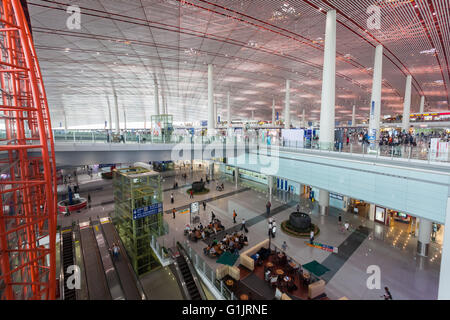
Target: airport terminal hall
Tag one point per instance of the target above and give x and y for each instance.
(218, 157)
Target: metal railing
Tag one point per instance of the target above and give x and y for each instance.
(208, 273)
(421, 151)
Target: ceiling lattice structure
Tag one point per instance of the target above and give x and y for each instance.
(254, 45)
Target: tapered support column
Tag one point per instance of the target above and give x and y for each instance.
(444, 275)
(354, 116)
(327, 109)
(124, 118)
(422, 104)
(116, 107)
(65, 121)
(407, 104)
(228, 110)
(109, 114)
(423, 242)
(211, 120)
(375, 106)
(287, 106)
(324, 202)
(157, 112)
(236, 175)
(273, 111)
(303, 118)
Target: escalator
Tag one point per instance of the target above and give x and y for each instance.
(67, 260)
(188, 276)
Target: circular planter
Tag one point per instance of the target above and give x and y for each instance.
(290, 230)
(77, 205)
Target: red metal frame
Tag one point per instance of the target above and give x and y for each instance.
(27, 164)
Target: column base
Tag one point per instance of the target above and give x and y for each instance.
(323, 210)
(422, 248)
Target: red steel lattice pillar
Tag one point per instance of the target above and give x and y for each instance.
(27, 166)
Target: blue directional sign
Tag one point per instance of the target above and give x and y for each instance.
(147, 211)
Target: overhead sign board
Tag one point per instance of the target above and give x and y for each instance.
(143, 212)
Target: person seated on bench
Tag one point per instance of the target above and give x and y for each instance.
(215, 242)
(212, 252)
(203, 235)
(187, 229)
(267, 275)
(236, 251)
(207, 250)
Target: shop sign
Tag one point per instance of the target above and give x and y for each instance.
(336, 196)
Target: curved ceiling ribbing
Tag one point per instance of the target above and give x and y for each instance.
(254, 46)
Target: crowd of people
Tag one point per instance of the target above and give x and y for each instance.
(201, 232)
(230, 243)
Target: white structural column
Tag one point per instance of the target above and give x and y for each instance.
(287, 106)
(211, 120)
(228, 109)
(354, 116)
(156, 97)
(273, 110)
(270, 185)
(407, 104)
(324, 202)
(65, 120)
(303, 118)
(236, 175)
(375, 104)
(444, 275)
(422, 104)
(327, 108)
(124, 117)
(116, 106)
(109, 114)
(423, 241)
(253, 114)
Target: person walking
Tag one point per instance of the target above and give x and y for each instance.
(89, 200)
(171, 198)
(298, 207)
(213, 216)
(173, 212)
(274, 230)
(270, 227)
(387, 295)
(311, 237)
(284, 246)
(191, 194)
(204, 206)
(243, 226)
(340, 219)
(268, 205)
(234, 216)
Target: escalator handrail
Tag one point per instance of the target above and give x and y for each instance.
(191, 267)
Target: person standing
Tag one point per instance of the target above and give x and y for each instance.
(268, 205)
(234, 216)
(213, 216)
(191, 194)
(311, 237)
(204, 206)
(298, 207)
(173, 212)
(243, 226)
(274, 230)
(340, 219)
(171, 198)
(89, 200)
